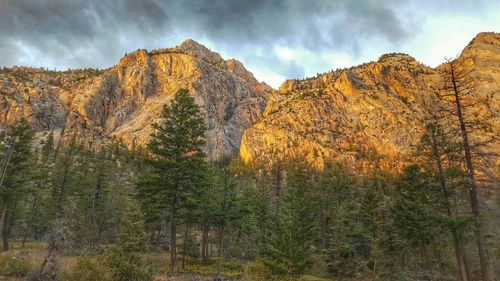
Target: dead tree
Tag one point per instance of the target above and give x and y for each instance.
(460, 94)
(441, 153)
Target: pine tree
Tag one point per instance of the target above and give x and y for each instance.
(36, 219)
(15, 173)
(249, 235)
(261, 202)
(124, 258)
(227, 206)
(345, 235)
(443, 158)
(415, 212)
(205, 207)
(177, 162)
(289, 250)
(64, 184)
(373, 213)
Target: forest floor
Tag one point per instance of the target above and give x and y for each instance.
(20, 261)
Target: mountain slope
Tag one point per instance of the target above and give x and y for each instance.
(121, 102)
(376, 107)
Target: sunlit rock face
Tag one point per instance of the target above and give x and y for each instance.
(376, 109)
(123, 101)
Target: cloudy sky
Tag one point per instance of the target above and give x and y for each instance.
(275, 39)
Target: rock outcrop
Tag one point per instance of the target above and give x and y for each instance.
(378, 108)
(123, 101)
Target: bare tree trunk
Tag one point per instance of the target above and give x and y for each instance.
(480, 240)
(184, 247)
(5, 235)
(403, 261)
(460, 256)
(278, 180)
(48, 267)
(173, 229)
(46, 260)
(3, 222)
(375, 256)
(7, 224)
(221, 248)
(173, 245)
(428, 262)
(204, 245)
(466, 262)
(211, 243)
(442, 180)
(437, 256)
(95, 201)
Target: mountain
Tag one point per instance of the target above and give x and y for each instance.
(375, 109)
(123, 101)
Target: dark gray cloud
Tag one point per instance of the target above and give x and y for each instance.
(96, 33)
(58, 28)
(315, 24)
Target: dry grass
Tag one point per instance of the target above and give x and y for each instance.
(184, 277)
(35, 252)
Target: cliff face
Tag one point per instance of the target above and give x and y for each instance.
(124, 100)
(377, 107)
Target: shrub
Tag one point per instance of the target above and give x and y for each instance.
(124, 259)
(14, 266)
(232, 269)
(86, 269)
(256, 272)
(127, 266)
(192, 246)
(232, 266)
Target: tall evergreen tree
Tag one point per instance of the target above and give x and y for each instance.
(227, 206)
(177, 162)
(443, 157)
(346, 239)
(65, 185)
(290, 247)
(416, 212)
(35, 217)
(14, 175)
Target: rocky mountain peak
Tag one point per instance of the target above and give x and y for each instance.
(189, 43)
(198, 50)
(398, 58)
(123, 101)
(138, 57)
(485, 38)
(483, 50)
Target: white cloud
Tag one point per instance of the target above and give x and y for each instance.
(446, 35)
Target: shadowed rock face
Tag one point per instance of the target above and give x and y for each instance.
(124, 100)
(376, 108)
